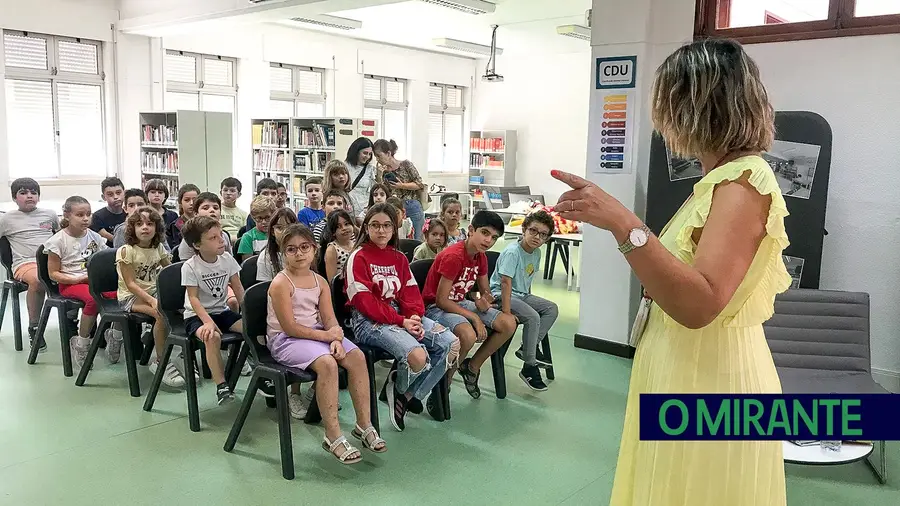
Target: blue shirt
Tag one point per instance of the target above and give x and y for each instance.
(310, 217)
(516, 263)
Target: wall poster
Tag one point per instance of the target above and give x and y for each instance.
(612, 115)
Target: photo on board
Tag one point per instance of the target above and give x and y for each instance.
(794, 165)
(681, 168)
(795, 269)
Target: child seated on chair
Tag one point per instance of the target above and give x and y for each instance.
(186, 196)
(256, 239)
(206, 278)
(138, 263)
(454, 273)
(67, 253)
(157, 192)
(337, 243)
(134, 199)
(334, 200)
(405, 226)
(206, 204)
(511, 284)
(388, 313)
(313, 212)
(105, 220)
(233, 217)
(435, 232)
(266, 268)
(451, 213)
(377, 195)
(303, 333)
(26, 228)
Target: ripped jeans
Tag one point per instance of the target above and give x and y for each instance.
(442, 348)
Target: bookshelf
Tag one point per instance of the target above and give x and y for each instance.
(492, 161)
(292, 150)
(182, 147)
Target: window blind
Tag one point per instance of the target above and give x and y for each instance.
(78, 57)
(25, 52)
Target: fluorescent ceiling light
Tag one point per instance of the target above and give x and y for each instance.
(466, 47)
(467, 6)
(576, 31)
(329, 21)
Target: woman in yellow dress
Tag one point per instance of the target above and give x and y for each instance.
(712, 275)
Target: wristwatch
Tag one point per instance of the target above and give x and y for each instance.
(637, 237)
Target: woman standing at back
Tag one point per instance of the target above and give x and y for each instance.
(712, 277)
(405, 181)
(363, 173)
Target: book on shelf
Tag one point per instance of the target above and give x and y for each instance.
(160, 161)
(319, 135)
(158, 134)
(270, 134)
(266, 159)
(486, 144)
(478, 160)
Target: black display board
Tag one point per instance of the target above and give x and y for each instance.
(802, 172)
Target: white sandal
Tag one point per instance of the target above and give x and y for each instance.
(363, 436)
(345, 458)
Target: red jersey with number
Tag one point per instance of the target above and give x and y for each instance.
(376, 278)
(454, 263)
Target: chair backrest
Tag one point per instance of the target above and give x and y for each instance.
(241, 232)
(170, 293)
(248, 272)
(6, 256)
(820, 329)
(408, 246)
(43, 268)
(102, 274)
(420, 271)
(339, 301)
(253, 315)
(492, 257)
(234, 249)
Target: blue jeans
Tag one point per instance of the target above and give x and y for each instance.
(415, 213)
(439, 345)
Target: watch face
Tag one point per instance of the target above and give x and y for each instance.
(638, 237)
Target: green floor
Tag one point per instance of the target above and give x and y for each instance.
(61, 444)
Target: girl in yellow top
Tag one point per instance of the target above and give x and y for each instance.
(712, 275)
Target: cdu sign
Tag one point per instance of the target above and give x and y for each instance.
(616, 72)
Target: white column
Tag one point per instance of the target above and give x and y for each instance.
(648, 30)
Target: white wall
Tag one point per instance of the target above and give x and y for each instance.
(545, 99)
(861, 103)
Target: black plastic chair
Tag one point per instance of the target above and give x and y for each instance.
(103, 277)
(170, 295)
(11, 288)
(62, 305)
(248, 273)
(254, 323)
(408, 247)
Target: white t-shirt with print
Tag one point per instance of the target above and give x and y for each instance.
(211, 279)
(73, 252)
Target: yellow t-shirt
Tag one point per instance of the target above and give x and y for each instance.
(146, 265)
(232, 219)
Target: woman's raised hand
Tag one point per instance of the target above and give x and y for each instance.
(588, 203)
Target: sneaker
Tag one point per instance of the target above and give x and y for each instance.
(247, 370)
(267, 388)
(79, 347)
(113, 345)
(171, 376)
(531, 375)
(32, 331)
(223, 394)
(297, 407)
(398, 403)
(180, 366)
(540, 360)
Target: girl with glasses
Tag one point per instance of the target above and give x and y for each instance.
(303, 333)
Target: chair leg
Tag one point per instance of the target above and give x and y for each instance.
(238, 424)
(545, 350)
(92, 353)
(497, 365)
(284, 428)
(437, 395)
(445, 393)
(145, 355)
(313, 415)
(190, 386)
(205, 372)
(232, 359)
(39, 334)
(239, 364)
(17, 319)
(3, 298)
(64, 338)
(373, 396)
(157, 378)
(881, 469)
(134, 383)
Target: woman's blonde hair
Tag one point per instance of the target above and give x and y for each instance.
(332, 167)
(708, 97)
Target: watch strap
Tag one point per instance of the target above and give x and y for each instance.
(628, 246)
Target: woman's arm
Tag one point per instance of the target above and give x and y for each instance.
(693, 295)
(54, 264)
(280, 291)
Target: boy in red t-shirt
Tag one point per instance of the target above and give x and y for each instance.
(452, 275)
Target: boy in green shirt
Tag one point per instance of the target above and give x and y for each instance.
(255, 240)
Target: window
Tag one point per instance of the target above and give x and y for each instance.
(384, 100)
(200, 82)
(54, 106)
(752, 21)
(297, 91)
(445, 128)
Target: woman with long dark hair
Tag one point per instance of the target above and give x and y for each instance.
(405, 182)
(363, 173)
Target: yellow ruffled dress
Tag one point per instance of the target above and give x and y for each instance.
(730, 355)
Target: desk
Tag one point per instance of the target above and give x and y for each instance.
(815, 455)
(559, 243)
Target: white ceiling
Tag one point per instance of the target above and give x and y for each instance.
(526, 26)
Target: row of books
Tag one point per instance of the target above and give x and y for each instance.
(157, 161)
(320, 135)
(478, 160)
(486, 144)
(271, 133)
(304, 162)
(158, 134)
(267, 159)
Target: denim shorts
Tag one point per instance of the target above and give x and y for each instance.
(451, 320)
